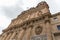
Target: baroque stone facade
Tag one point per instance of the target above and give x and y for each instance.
(37, 23)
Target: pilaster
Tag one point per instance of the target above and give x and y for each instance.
(21, 34)
(48, 29)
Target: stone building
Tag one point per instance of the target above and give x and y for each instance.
(37, 23)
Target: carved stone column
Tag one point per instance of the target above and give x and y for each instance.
(9, 35)
(48, 30)
(21, 34)
(28, 33)
(5, 35)
(1, 37)
(12, 36)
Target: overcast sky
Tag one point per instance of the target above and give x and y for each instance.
(9, 9)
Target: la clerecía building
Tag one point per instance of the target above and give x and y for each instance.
(36, 23)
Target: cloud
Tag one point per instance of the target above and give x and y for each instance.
(12, 12)
(28, 4)
(8, 2)
(4, 22)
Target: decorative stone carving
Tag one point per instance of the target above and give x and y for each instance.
(25, 24)
(38, 30)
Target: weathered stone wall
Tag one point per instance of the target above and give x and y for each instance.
(33, 24)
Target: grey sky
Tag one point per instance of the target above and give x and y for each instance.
(9, 9)
(12, 11)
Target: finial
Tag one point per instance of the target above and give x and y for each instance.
(42, 4)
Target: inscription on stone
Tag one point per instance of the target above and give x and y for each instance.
(39, 37)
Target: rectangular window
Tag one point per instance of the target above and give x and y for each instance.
(39, 37)
(58, 26)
